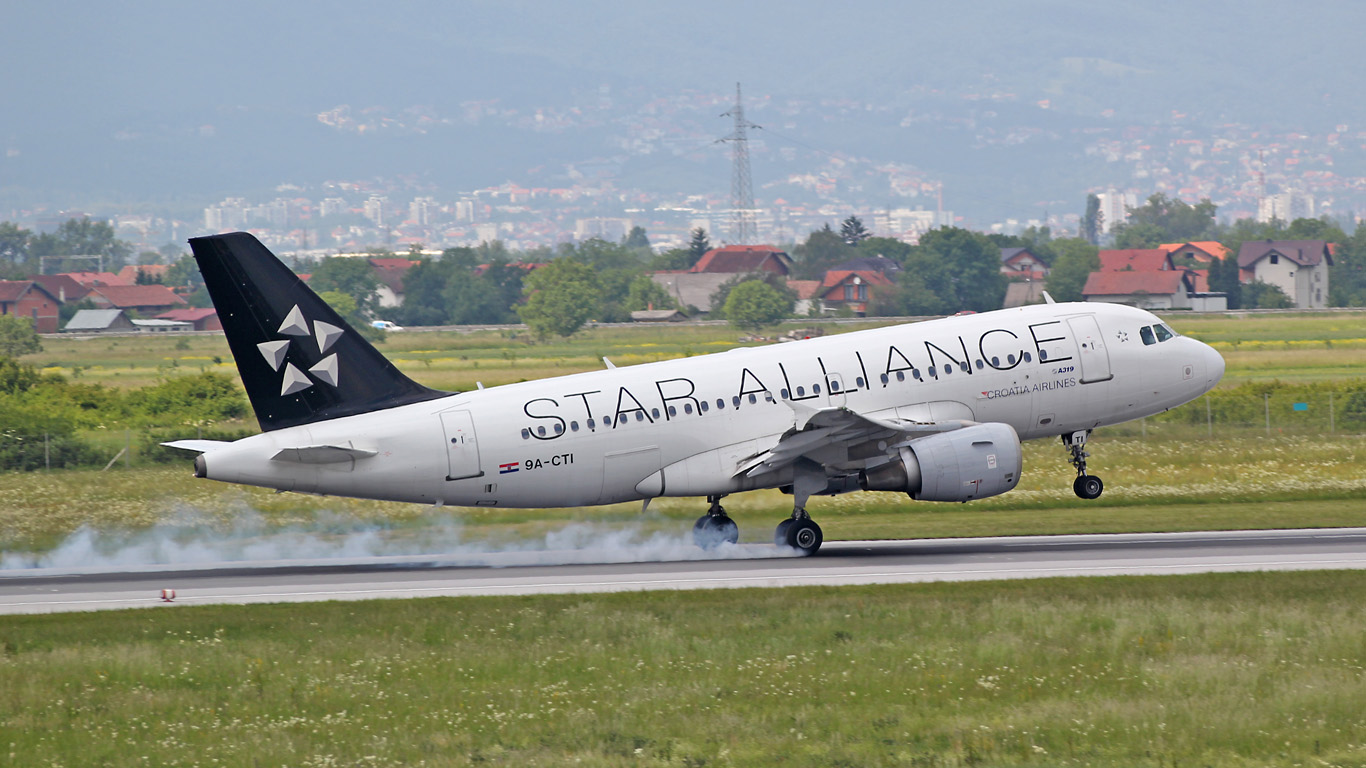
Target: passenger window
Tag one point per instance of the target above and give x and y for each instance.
(735, 401)
(1010, 358)
(900, 375)
(592, 424)
(559, 428)
(932, 371)
(654, 412)
(526, 433)
(640, 415)
(703, 406)
(884, 379)
(753, 399)
(1028, 359)
(687, 407)
(573, 426)
(815, 389)
(1146, 333)
(674, 411)
(915, 373)
(1163, 332)
(1043, 355)
(783, 393)
(721, 404)
(859, 382)
(980, 365)
(801, 391)
(948, 369)
(540, 431)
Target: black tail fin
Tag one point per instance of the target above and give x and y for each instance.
(299, 361)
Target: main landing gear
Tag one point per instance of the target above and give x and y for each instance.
(1086, 486)
(799, 531)
(715, 528)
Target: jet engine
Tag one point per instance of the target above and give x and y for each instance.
(969, 463)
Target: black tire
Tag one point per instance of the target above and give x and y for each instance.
(1088, 486)
(711, 531)
(804, 536)
(780, 533)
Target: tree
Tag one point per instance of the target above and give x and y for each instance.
(638, 242)
(822, 250)
(754, 304)
(84, 237)
(699, 245)
(1092, 220)
(1074, 261)
(351, 276)
(1223, 278)
(14, 251)
(645, 293)
(18, 337)
(969, 274)
(911, 296)
(1260, 295)
(1164, 220)
(722, 293)
(852, 231)
(1347, 282)
(560, 298)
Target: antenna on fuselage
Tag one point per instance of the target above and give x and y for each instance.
(1047, 299)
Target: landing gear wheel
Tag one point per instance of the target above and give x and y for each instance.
(804, 535)
(711, 531)
(780, 533)
(1088, 486)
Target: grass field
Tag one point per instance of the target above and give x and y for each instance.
(1220, 670)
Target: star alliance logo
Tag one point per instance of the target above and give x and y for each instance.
(296, 380)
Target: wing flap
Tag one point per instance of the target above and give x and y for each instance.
(820, 431)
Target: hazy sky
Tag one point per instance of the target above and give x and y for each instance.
(108, 92)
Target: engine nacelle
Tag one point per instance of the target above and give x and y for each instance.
(969, 463)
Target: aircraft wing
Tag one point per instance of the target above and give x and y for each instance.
(838, 438)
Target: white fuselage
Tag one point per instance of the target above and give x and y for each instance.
(682, 427)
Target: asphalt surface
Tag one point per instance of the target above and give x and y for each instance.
(40, 590)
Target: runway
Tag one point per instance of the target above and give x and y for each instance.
(747, 565)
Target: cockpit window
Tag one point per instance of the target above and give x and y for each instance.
(1163, 332)
(1146, 332)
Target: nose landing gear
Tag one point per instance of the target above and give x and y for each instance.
(1085, 486)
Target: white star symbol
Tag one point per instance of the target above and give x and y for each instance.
(295, 380)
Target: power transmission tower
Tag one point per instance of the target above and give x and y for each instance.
(741, 189)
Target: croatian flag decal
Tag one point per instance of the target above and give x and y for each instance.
(511, 466)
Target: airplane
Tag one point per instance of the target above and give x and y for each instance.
(935, 409)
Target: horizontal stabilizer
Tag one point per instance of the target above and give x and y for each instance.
(201, 446)
(322, 454)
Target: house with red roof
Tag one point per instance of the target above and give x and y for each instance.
(144, 299)
(851, 288)
(1136, 260)
(1298, 267)
(744, 259)
(389, 272)
(29, 299)
(1147, 289)
(1023, 264)
(151, 273)
(205, 319)
(62, 286)
(1200, 252)
(92, 279)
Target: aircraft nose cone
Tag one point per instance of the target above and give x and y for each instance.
(1214, 365)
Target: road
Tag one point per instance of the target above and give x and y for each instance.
(546, 572)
